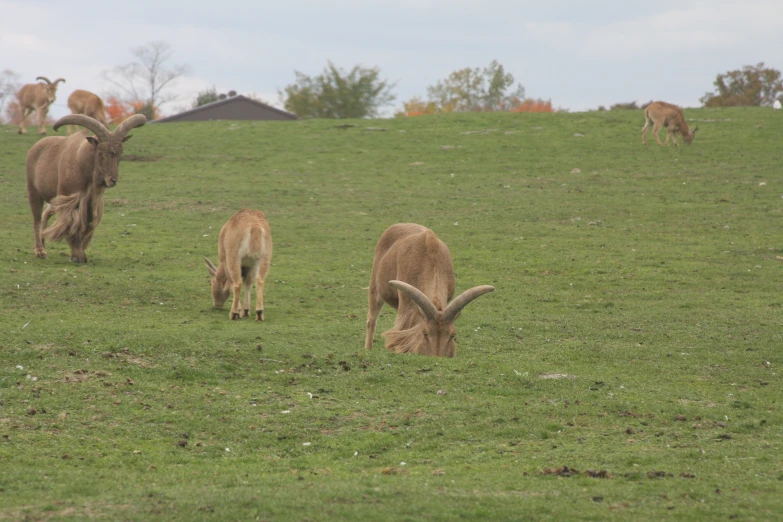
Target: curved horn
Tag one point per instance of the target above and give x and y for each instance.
(693, 132)
(418, 297)
(137, 120)
(211, 267)
(44, 78)
(463, 299)
(59, 80)
(94, 125)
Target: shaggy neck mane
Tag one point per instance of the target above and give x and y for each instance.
(77, 214)
(405, 336)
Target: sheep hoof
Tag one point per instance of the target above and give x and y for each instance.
(246, 313)
(40, 252)
(80, 260)
(234, 316)
(20, 131)
(259, 315)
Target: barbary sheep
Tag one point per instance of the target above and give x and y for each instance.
(244, 254)
(89, 104)
(37, 97)
(412, 271)
(70, 174)
(662, 114)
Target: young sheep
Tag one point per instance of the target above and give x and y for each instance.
(70, 174)
(37, 97)
(87, 103)
(662, 114)
(244, 254)
(412, 271)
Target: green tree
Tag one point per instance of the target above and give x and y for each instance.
(751, 85)
(205, 97)
(477, 90)
(334, 93)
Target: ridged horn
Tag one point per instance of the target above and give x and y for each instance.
(693, 132)
(85, 121)
(418, 297)
(211, 267)
(44, 78)
(59, 80)
(463, 299)
(137, 120)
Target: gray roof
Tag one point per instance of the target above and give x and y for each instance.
(234, 108)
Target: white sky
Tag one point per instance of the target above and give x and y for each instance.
(579, 54)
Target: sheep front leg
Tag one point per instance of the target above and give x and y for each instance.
(235, 312)
(77, 250)
(375, 302)
(42, 111)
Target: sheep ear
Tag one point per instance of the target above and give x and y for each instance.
(126, 138)
(92, 140)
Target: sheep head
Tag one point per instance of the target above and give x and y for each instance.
(435, 335)
(50, 88)
(689, 137)
(221, 287)
(108, 145)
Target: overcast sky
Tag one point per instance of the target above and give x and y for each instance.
(579, 54)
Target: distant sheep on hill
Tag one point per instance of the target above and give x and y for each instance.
(87, 103)
(37, 97)
(662, 114)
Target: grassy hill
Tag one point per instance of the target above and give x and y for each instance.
(627, 365)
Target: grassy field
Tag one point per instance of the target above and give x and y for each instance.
(627, 365)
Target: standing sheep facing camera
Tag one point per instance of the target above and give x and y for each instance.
(412, 271)
(244, 254)
(70, 175)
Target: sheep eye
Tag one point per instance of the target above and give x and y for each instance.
(426, 335)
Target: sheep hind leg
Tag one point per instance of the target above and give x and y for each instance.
(25, 112)
(236, 313)
(39, 223)
(260, 280)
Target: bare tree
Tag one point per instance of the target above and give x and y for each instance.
(9, 85)
(148, 79)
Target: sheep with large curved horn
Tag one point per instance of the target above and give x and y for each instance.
(69, 175)
(413, 272)
(37, 97)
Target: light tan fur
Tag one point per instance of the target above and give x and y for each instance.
(661, 114)
(37, 97)
(244, 255)
(87, 103)
(70, 174)
(412, 272)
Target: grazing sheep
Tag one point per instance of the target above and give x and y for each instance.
(244, 254)
(37, 97)
(89, 104)
(412, 271)
(70, 174)
(662, 114)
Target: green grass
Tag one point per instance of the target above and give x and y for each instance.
(651, 277)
